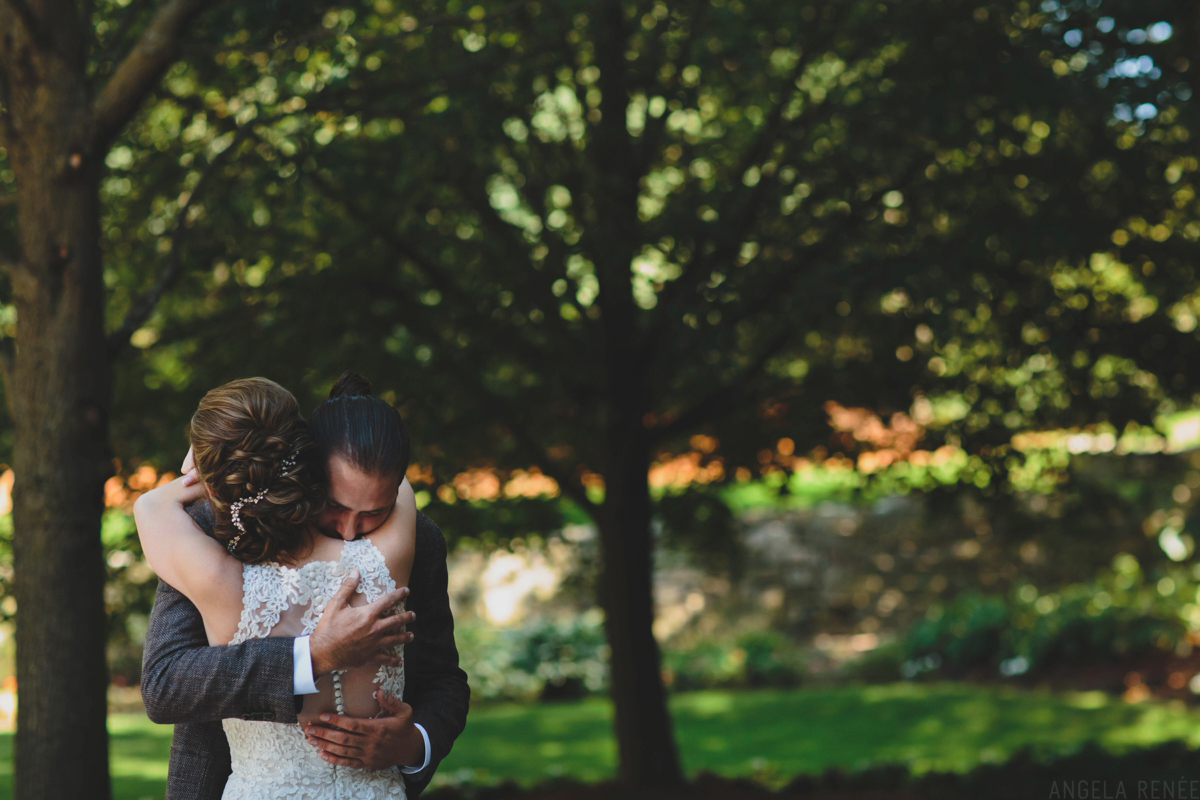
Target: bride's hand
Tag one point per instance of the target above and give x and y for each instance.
(188, 469)
(183, 491)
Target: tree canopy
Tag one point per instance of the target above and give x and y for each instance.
(575, 236)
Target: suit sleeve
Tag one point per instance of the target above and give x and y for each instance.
(186, 680)
(435, 686)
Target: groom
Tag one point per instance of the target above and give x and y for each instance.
(195, 686)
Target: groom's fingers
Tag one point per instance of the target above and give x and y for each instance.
(342, 762)
(386, 660)
(390, 704)
(327, 733)
(389, 626)
(342, 596)
(396, 639)
(383, 605)
(338, 745)
(385, 644)
(342, 729)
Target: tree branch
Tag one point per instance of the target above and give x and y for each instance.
(8, 263)
(834, 236)
(726, 398)
(470, 377)
(116, 38)
(6, 363)
(141, 68)
(28, 19)
(144, 306)
(570, 487)
(450, 19)
(432, 272)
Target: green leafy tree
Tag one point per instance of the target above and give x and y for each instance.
(72, 78)
(574, 235)
(59, 120)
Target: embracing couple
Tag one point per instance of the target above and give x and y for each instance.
(301, 638)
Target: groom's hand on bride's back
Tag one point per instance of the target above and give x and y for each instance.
(350, 636)
(379, 743)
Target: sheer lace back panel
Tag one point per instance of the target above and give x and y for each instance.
(285, 601)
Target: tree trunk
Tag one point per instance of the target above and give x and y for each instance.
(647, 755)
(57, 385)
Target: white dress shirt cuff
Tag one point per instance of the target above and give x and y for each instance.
(425, 763)
(302, 669)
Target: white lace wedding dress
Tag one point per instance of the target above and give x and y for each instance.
(271, 760)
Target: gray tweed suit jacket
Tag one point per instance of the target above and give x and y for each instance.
(195, 686)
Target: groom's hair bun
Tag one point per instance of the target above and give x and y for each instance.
(364, 429)
(351, 384)
(248, 436)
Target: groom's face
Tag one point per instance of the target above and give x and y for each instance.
(358, 502)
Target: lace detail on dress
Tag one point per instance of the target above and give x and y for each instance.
(266, 593)
(273, 761)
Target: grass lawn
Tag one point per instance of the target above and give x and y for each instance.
(769, 734)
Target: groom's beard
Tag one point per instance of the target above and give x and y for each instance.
(333, 534)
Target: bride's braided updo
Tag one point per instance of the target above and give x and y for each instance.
(248, 438)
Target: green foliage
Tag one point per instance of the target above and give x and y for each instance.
(495, 522)
(966, 634)
(705, 665)
(542, 229)
(486, 654)
(793, 214)
(557, 659)
(1118, 615)
(753, 659)
(880, 665)
(548, 659)
(128, 596)
(699, 521)
(569, 656)
(128, 592)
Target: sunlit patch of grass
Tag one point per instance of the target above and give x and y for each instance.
(770, 735)
(775, 735)
(139, 753)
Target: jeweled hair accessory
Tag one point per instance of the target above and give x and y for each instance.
(235, 510)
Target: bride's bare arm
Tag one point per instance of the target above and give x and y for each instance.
(185, 557)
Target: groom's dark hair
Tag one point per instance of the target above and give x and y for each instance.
(364, 429)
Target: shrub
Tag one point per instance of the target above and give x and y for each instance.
(569, 656)
(754, 659)
(547, 659)
(1118, 615)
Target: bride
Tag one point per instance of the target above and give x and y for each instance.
(268, 571)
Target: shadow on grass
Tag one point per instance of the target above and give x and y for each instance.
(139, 751)
(1167, 770)
(769, 736)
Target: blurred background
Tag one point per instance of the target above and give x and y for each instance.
(893, 306)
